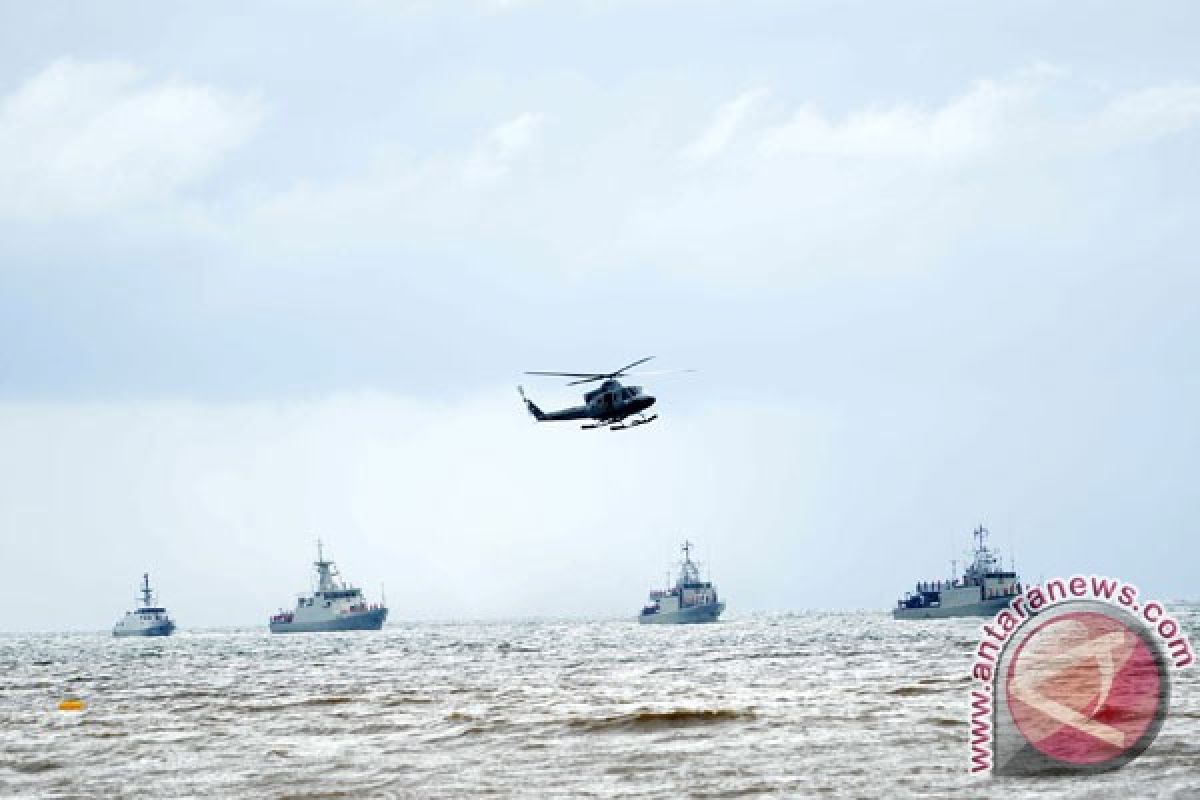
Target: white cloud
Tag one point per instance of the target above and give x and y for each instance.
(503, 146)
(897, 187)
(420, 201)
(990, 112)
(1148, 114)
(726, 122)
(1016, 117)
(762, 192)
(85, 137)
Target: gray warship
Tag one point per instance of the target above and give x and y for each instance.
(334, 606)
(689, 600)
(148, 619)
(984, 588)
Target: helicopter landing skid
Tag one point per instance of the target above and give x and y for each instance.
(620, 426)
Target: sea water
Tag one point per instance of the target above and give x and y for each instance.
(786, 705)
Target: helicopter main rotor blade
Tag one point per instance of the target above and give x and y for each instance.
(588, 377)
(622, 370)
(569, 374)
(640, 374)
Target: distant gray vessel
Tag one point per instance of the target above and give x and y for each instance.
(148, 619)
(690, 600)
(334, 606)
(984, 588)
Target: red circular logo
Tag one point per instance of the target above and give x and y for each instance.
(1085, 688)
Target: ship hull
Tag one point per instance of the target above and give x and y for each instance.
(684, 616)
(364, 621)
(984, 608)
(165, 629)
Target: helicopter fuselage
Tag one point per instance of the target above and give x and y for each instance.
(614, 402)
(609, 403)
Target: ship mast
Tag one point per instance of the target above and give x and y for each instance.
(147, 595)
(687, 570)
(985, 560)
(325, 571)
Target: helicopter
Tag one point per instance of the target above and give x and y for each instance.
(608, 405)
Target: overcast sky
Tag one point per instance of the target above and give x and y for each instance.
(273, 272)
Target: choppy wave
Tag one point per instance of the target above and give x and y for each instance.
(912, 691)
(659, 720)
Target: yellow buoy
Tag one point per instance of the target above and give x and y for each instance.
(71, 705)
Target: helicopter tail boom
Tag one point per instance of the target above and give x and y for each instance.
(536, 412)
(579, 412)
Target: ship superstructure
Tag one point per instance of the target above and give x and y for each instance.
(148, 619)
(689, 600)
(983, 589)
(333, 606)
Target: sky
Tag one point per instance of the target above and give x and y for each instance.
(273, 272)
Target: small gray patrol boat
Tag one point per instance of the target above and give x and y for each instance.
(984, 588)
(689, 600)
(334, 606)
(148, 619)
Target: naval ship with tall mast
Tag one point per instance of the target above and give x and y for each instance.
(148, 619)
(689, 600)
(984, 588)
(333, 606)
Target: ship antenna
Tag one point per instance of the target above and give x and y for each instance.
(1012, 547)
